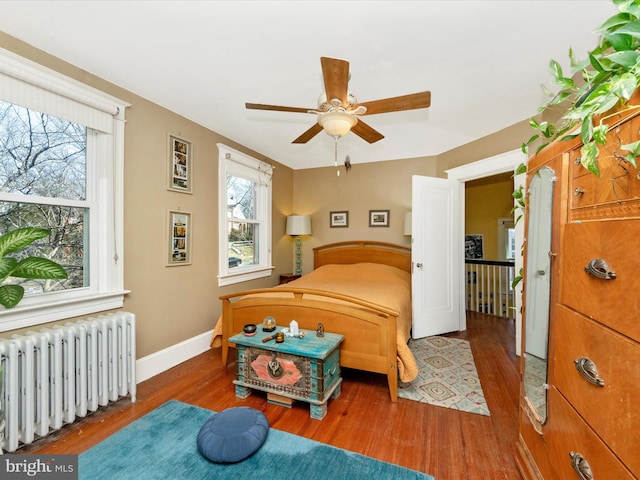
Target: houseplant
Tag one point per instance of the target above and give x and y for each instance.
(605, 79)
(30, 267)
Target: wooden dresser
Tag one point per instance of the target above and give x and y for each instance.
(592, 424)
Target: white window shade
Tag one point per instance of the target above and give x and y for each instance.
(23, 83)
(241, 169)
(29, 85)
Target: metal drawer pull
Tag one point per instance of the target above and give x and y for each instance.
(581, 466)
(589, 371)
(599, 268)
(579, 191)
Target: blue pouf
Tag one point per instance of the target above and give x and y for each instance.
(233, 434)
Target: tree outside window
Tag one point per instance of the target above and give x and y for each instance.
(43, 183)
(245, 217)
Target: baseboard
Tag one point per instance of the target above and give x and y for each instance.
(158, 362)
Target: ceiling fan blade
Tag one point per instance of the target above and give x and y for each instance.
(397, 104)
(259, 106)
(309, 134)
(336, 78)
(366, 132)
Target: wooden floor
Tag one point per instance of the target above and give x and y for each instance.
(447, 444)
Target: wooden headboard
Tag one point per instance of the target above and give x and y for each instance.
(359, 251)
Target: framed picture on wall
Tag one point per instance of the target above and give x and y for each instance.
(338, 219)
(378, 218)
(179, 238)
(179, 165)
(474, 247)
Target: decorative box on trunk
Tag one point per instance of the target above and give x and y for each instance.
(306, 368)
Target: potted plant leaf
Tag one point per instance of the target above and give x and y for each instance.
(605, 80)
(29, 267)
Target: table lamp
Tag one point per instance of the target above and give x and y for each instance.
(298, 225)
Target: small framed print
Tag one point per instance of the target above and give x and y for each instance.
(378, 218)
(474, 246)
(179, 165)
(179, 243)
(338, 219)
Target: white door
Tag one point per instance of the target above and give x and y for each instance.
(436, 251)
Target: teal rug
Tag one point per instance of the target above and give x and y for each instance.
(162, 445)
(447, 375)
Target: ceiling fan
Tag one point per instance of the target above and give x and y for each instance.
(338, 110)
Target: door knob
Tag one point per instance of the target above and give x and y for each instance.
(419, 265)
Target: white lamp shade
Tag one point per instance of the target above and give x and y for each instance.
(298, 225)
(337, 124)
(407, 223)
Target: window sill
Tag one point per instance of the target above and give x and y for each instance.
(26, 315)
(231, 278)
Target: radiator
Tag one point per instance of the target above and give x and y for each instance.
(56, 375)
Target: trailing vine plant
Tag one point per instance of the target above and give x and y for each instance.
(518, 210)
(607, 79)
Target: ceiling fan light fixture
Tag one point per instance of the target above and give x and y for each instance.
(338, 123)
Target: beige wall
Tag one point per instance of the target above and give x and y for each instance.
(506, 140)
(385, 186)
(367, 186)
(172, 304)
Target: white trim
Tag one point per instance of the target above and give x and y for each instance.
(233, 162)
(162, 360)
(62, 95)
(228, 153)
(23, 315)
(519, 181)
(22, 80)
(504, 224)
(224, 280)
(504, 162)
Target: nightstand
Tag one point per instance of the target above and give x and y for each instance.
(306, 369)
(288, 277)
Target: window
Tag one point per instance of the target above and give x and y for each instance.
(245, 217)
(43, 172)
(61, 168)
(506, 238)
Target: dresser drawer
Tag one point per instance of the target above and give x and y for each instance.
(568, 434)
(609, 409)
(617, 181)
(612, 302)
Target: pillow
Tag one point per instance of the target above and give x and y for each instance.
(233, 434)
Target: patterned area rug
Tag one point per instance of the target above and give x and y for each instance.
(535, 373)
(448, 376)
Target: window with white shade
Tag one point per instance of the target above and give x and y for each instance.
(506, 239)
(61, 168)
(245, 217)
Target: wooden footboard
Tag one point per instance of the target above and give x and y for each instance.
(369, 330)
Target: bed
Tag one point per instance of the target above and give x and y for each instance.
(360, 289)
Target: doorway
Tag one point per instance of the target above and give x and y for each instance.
(506, 162)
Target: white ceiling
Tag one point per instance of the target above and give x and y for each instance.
(483, 61)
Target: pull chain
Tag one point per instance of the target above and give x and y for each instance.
(335, 163)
